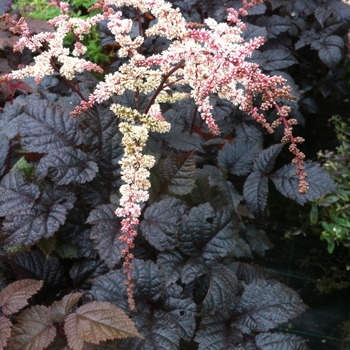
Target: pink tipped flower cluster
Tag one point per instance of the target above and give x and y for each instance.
(210, 59)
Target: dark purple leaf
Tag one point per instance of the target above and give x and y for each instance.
(274, 59)
(4, 150)
(238, 157)
(161, 222)
(17, 193)
(265, 162)
(222, 291)
(105, 233)
(249, 272)
(287, 183)
(280, 341)
(171, 264)
(193, 268)
(28, 226)
(274, 24)
(255, 192)
(265, 305)
(67, 165)
(209, 232)
(45, 127)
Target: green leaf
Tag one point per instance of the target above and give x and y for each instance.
(161, 222)
(314, 213)
(97, 321)
(38, 335)
(15, 296)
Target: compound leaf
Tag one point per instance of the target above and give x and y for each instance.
(4, 149)
(67, 165)
(171, 264)
(257, 239)
(35, 265)
(148, 281)
(208, 232)
(45, 127)
(108, 162)
(274, 59)
(255, 192)
(99, 125)
(215, 177)
(238, 157)
(38, 335)
(60, 309)
(159, 330)
(83, 272)
(215, 334)
(17, 193)
(280, 341)
(222, 291)
(177, 173)
(5, 331)
(105, 233)
(15, 296)
(265, 305)
(330, 50)
(161, 222)
(319, 181)
(181, 309)
(274, 24)
(41, 221)
(205, 193)
(97, 321)
(193, 268)
(265, 162)
(249, 272)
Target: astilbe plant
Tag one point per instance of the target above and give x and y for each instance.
(209, 61)
(200, 64)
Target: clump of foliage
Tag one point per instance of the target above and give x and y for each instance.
(334, 213)
(36, 327)
(134, 201)
(37, 9)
